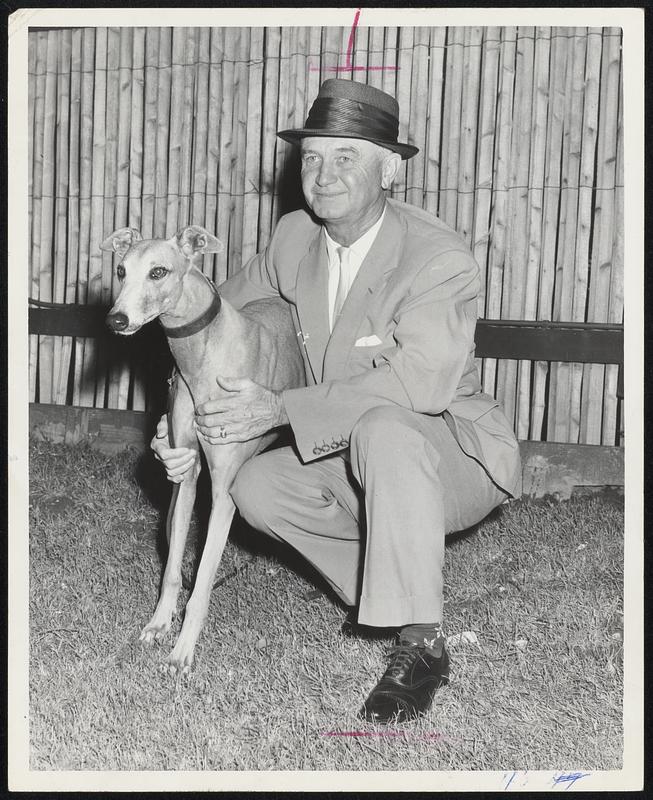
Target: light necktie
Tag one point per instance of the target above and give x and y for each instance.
(343, 280)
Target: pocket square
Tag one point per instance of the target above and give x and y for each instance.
(368, 341)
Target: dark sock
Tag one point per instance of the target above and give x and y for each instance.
(430, 635)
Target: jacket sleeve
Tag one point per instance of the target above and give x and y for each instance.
(256, 280)
(433, 339)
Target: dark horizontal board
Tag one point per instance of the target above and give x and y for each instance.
(587, 343)
(74, 320)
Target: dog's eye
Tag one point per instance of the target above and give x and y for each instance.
(120, 272)
(157, 273)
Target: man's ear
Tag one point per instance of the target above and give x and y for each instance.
(194, 239)
(121, 240)
(389, 169)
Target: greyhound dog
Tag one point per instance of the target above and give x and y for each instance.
(207, 338)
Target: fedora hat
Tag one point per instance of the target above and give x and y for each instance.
(353, 110)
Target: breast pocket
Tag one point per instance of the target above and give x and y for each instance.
(364, 357)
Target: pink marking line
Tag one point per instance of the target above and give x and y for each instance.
(354, 69)
(350, 43)
(349, 67)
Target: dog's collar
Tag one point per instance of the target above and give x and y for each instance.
(198, 324)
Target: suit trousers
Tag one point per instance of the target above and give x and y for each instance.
(372, 518)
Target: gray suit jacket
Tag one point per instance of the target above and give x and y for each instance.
(405, 335)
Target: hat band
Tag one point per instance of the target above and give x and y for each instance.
(352, 118)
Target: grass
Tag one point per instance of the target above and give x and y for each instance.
(280, 673)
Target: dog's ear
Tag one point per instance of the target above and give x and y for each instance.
(121, 240)
(194, 239)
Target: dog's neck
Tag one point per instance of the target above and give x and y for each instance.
(196, 309)
(196, 331)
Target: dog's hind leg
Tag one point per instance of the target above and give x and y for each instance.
(179, 515)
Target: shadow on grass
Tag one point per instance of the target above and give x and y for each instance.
(455, 537)
(150, 477)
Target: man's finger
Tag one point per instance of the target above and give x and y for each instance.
(210, 407)
(214, 438)
(213, 419)
(174, 455)
(210, 436)
(220, 405)
(174, 472)
(162, 428)
(182, 463)
(232, 384)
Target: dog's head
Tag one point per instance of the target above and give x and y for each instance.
(152, 273)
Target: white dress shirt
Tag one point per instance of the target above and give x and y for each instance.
(357, 252)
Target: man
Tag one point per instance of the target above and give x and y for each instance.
(395, 444)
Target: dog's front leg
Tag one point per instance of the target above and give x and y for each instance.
(181, 657)
(181, 434)
(179, 516)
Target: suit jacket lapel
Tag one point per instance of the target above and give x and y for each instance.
(312, 303)
(383, 257)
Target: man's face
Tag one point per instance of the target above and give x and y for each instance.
(343, 179)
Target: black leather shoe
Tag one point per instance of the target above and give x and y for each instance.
(407, 687)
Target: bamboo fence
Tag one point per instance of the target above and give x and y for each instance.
(521, 151)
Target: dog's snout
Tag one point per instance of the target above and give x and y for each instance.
(117, 322)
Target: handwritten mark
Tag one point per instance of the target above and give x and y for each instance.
(349, 66)
(569, 778)
(511, 777)
(430, 736)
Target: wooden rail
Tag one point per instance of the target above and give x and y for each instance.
(566, 342)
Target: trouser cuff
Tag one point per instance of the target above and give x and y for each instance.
(395, 612)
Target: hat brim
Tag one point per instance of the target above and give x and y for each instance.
(295, 136)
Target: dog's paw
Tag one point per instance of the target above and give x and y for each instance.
(180, 660)
(154, 631)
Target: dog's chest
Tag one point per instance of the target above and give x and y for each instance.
(201, 361)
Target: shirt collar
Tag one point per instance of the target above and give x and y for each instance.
(361, 246)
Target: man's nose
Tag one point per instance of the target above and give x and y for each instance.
(326, 174)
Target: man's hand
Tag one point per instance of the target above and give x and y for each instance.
(176, 460)
(246, 411)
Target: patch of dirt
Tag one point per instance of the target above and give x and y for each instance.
(54, 506)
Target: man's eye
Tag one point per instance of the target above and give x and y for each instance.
(309, 158)
(120, 272)
(157, 273)
(344, 160)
